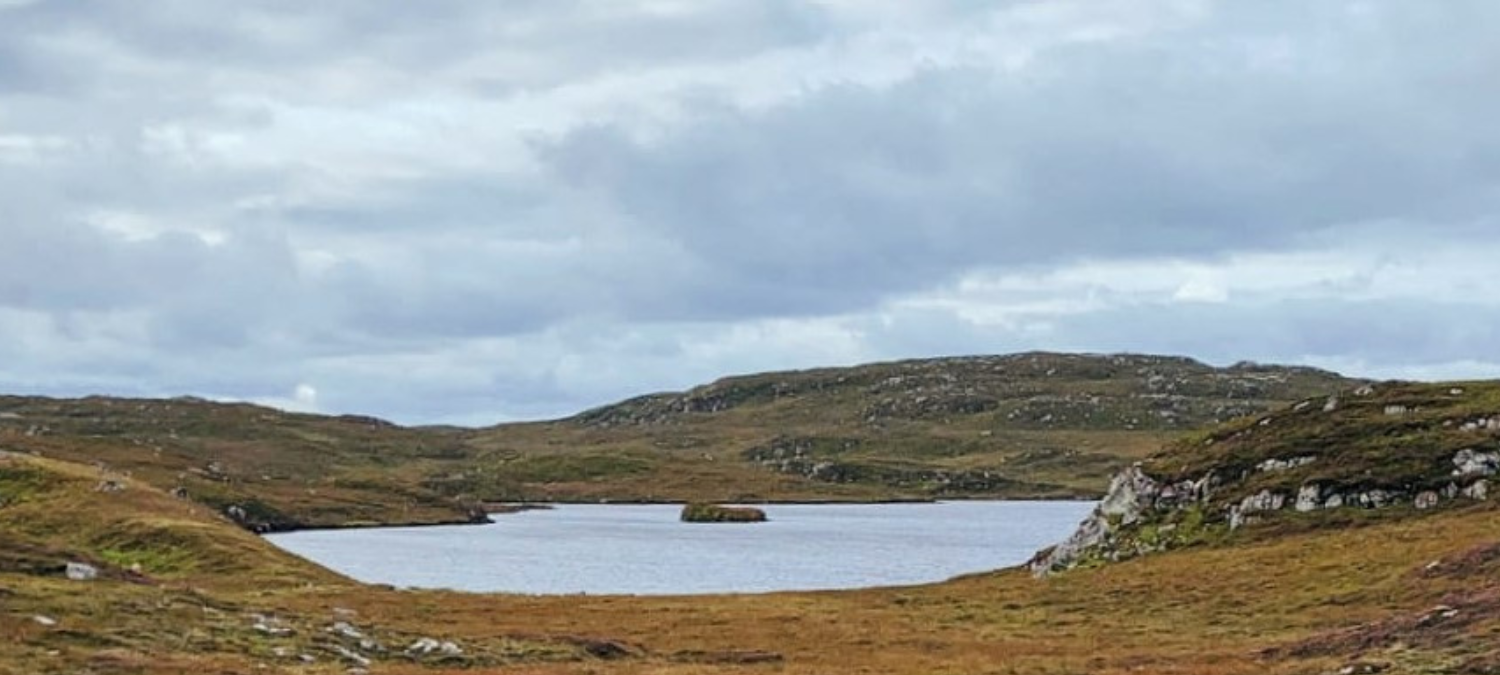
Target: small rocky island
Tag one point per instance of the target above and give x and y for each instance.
(699, 512)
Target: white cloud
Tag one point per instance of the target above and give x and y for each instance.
(468, 213)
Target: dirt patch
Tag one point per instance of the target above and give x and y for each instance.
(1442, 626)
(1480, 561)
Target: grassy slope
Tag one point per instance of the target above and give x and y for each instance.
(1026, 425)
(1308, 594)
(1029, 425)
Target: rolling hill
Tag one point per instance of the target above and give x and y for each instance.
(1018, 426)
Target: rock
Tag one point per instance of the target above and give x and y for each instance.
(1332, 404)
(1334, 501)
(1130, 493)
(352, 656)
(1375, 499)
(1285, 464)
(81, 571)
(44, 620)
(1396, 410)
(271, 626)
(344, 629)
(1479, 491)
(1471, 463)
(1426, 500)
(1309, 498)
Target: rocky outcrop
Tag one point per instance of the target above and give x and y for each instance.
(1131, 493)
(1143, 514)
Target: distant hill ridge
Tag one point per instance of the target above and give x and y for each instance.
(1022, 426)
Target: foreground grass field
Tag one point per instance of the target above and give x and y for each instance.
(1420, 593)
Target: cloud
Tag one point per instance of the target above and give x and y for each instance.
(459, 212)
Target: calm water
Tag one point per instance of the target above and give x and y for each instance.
(619, 549)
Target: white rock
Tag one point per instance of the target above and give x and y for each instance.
(1285, 464)
(1334, 501)
(343, 629)
(82, 572)
(1480, 490)
(1471, 463)
(1309, 498)
(44, 620)
(1395, 410)
(1426, 500)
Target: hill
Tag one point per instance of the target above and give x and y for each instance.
(1019, 426)
(1363, 586)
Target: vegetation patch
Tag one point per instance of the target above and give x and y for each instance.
(714, 513)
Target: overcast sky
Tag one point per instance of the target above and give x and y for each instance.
(471, 212)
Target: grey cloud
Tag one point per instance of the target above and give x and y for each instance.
(1156, 146)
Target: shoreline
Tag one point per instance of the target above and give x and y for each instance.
(492, 509)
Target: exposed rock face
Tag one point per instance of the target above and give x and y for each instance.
(1130, 494)
(1471, 463)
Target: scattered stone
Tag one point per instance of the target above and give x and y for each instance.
(1479, 491)
(1456, 391)
(1285, 464)
(1471, 463)
(307, 658)
(271, 626)
(352, 656)
(1366, 390)
(81, 571)
(109, 486)
(44, 620)
(1365, 668)
(428, 646)
(1396, 410)
(1334, 501)
(1426, 500)
(344, 629)
(1332, 404)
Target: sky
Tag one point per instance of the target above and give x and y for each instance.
(468, 213)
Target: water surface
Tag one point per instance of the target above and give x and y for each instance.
(635, 549)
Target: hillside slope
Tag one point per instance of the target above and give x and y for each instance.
(1020, 426)
(1024, 425)
(1390, 450)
